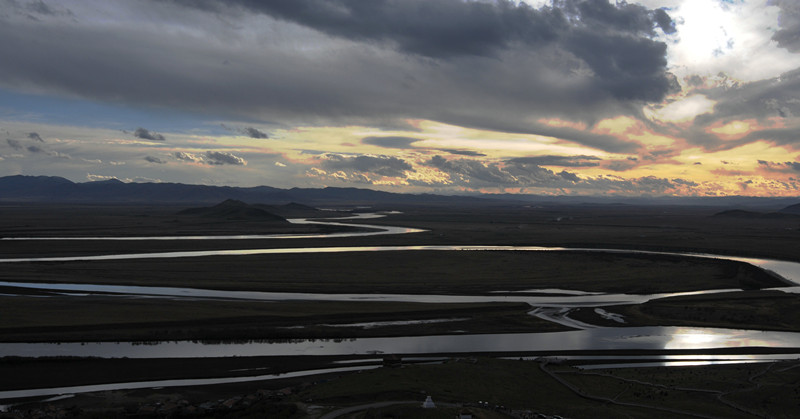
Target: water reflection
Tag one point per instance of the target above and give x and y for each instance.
(377, 230)
(533, 300)
(690, 338)
(786, 270)
(593, 362)
(601, 339)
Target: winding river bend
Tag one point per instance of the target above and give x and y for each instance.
(543, 305)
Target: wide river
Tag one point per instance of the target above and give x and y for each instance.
(549, 304)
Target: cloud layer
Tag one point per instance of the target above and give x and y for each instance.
(565, 96)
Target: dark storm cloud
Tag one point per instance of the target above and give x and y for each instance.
(36, 137)
(383, 166)
(788, 36)
(563, 161)
(221, 157)
(444, 28)
(16, 145)
(402, 143)
(629, 68)
(487, 65)
(613, 39)
(663, 21)
(254, 133)
(433, 28)
(147, 135)
(36, 149)
(156, 160)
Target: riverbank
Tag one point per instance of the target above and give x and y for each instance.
(110, 316)
(483, 386)
(757, 310)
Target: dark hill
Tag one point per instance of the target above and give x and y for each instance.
(739, 214)
(755, 215)
(295, 210)
(294, 206)
(233, 209)
(791, 209)
(59, 190)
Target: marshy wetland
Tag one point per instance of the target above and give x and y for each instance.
(232, 295)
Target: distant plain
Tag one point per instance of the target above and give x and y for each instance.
(31, 318)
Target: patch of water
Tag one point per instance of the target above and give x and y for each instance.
(373, 325)
(598, 339)
(610, 316)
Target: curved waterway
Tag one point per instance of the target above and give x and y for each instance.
(377, 230)
(194, 293)
(600, 339)
(551, 304)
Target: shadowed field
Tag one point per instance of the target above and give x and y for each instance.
(29, 315)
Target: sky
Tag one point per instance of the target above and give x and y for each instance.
(548, 97)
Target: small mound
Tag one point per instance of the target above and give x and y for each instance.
(739, 214)
(233, 209)
(791, 209)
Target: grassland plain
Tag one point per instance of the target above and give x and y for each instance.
(29, 317)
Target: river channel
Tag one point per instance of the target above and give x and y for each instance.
(548, 304)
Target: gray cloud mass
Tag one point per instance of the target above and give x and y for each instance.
(563, 161)
(383, 166)
(156, 160)
(788, 36)
(16, 145)
(487, 65)
(221, 157)
(402, 143)
(254, 133)
(147, 135)
(475, 174)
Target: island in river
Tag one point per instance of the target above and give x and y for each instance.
(506, 285)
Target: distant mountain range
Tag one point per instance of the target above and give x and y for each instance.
(52, 189)
(42, 189)
(792, 211)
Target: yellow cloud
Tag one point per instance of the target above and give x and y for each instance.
(627, 128)
(737, 129)
(561, 123)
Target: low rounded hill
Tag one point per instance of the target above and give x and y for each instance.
(232, 209)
